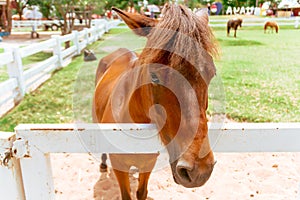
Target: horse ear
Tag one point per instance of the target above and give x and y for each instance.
(140, 24)
(203, 14)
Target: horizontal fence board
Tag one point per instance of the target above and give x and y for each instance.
(82, 45)
(293, 19)
(38, 47)
(90, 30)
(81, 34)
(66, 38)
(8, 85)
(143, 138)
(6, 58)
(30, 23)
(96, 138)
(24, 23)
(68, 51)
(39, 67)
(255, 137)
(36, 81)
(4, 99)
(250, 22)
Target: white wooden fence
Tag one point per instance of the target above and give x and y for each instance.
(21, 81)
(30, 23)
(250, 22)
(25, 167)
(247, 21)
(40, 23)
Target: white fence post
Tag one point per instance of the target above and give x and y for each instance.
(36, 170)
(106, 26)
(37, 176)
(297, 22)
(11, 185)
(15, 70)
(95, 34)
(57, 50)
(101, 28)
(97, 27)
(86, 35)
(76, 42)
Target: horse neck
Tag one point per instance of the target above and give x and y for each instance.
(139, 94)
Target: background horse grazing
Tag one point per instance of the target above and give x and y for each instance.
(167, 84)
(234, 23)
(271, 24)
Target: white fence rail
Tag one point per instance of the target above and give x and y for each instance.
(25, 162)
(21, 81)
(255, 21)
(29, 23)
(292, 21)
(39, 23)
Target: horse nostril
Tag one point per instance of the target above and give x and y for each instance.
(183, 173)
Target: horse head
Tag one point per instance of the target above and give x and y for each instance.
(178, 61)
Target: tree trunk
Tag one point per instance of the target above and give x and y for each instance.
(8, 17)
(19, 10)
(3, 21)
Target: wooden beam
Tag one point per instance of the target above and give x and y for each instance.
(137, 138)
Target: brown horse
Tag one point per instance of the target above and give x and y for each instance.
(234, 23)
(271, 24)
(167, 84)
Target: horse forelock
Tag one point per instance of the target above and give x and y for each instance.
(181, 37)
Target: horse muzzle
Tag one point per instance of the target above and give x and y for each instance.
(192, 174)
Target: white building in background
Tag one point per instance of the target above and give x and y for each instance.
(288, 4)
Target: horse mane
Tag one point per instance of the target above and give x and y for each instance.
(180, 38)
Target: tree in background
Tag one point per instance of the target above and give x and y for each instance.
(45, 7)
(19, 5)
(65, 9)
(5, 18)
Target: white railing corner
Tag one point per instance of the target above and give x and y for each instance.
(11, 183)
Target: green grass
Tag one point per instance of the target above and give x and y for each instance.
(60, 99)
(3, 74)
(27, 63)
(239, 42)
(261, 76)
(51, 103)
(3, 70)
(38, 57)
(257, 81)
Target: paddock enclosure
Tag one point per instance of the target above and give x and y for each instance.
(25, 164)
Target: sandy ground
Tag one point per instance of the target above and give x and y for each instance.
(24, 38)
(237, 176)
